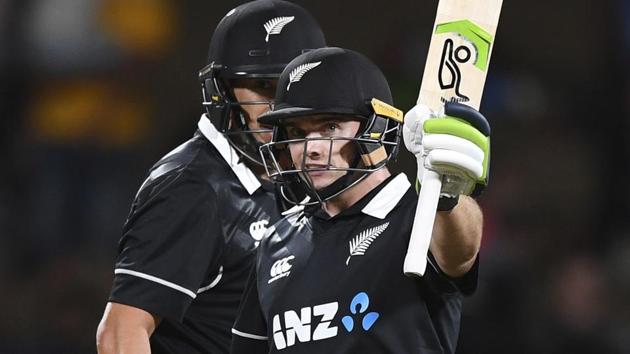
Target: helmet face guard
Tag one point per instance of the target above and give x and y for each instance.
(227, 114)
(336, 84)
(373, 147)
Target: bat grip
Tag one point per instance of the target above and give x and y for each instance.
(416, 258)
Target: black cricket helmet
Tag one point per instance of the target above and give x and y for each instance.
(339, 84)
(255, 40)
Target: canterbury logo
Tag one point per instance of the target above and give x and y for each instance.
(280, 269)
(275, 25)
(297, 73)
(257, 230)
(361, 242)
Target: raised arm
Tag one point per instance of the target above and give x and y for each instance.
(455, 143)
(457, 237)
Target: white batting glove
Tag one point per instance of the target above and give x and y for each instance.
(454, 142)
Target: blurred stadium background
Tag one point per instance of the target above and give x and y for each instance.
(94, 91)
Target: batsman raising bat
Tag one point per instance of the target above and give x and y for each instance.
(328, 277)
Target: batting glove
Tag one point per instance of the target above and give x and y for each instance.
(455, 143)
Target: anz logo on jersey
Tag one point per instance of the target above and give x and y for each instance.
(319, 322)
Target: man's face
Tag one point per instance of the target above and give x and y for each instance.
(255, 90)
(318, 153)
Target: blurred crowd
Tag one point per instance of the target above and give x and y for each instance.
(94, 91)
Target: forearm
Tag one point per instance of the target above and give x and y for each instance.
(125, 329)
(122, 341)
(457, 237)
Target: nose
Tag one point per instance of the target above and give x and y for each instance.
(317, 147)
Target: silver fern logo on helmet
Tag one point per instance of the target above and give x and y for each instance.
(299, 71)
(275, 25)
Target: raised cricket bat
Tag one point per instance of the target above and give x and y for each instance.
(456, 68)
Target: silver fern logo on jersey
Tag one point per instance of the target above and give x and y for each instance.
(299, 71)
(361, 242)
(275, 25)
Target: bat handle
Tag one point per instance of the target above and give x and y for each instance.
(416, 258)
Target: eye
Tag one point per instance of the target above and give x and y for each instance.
(295, 133)
(263, 84)
(332, 126)
(265, 87)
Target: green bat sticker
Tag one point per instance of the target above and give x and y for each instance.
(481, 39)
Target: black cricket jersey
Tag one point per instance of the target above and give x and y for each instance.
(336, 285)
(189, 243)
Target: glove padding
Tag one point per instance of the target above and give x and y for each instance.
(454, 142)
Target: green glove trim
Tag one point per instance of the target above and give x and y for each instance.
(462, 129)
(486, 161)
(458, 128)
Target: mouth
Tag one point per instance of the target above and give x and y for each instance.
(319, 169)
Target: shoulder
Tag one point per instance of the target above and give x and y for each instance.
(195, 164)
(180, 182)
(279, 234)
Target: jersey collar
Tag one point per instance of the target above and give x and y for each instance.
(388, 197)
(378, 203)
(247, 178)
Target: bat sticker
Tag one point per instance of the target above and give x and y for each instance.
(453, 78)
(474, 48)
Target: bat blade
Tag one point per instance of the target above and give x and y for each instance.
(455, 71)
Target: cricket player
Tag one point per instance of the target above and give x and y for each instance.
(329, 276)
(188, 243)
